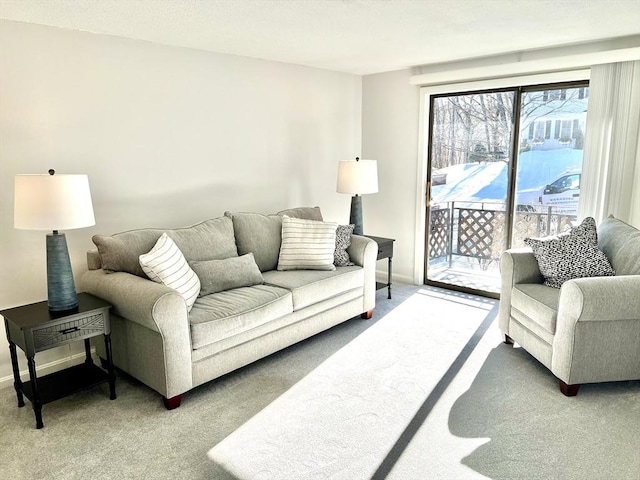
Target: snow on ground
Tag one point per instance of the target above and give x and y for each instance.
(473, 182)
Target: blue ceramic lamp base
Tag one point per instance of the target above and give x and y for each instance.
(61, 289)
(356, 214)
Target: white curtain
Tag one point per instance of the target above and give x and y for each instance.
(612, 151)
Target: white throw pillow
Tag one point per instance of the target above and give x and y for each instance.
(166, 264)
(307, 244)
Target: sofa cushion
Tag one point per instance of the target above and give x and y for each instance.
(165, 264)
(221, 315)
(260, 235)
(307, 213)
(326, 313)
(220, 275)
(209, 240)
(307, 244)
(620, 242)
(537, 302)
(572, 254)
(312, 286)
(343, 242)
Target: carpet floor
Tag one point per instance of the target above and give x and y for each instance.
(425, 390)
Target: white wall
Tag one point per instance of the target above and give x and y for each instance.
(168, 137)
(390, 122)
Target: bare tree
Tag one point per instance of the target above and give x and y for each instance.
(479, 127)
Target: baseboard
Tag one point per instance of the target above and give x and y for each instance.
(381, 276)
(47, 368)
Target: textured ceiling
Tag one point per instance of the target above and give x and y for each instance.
(355, 36)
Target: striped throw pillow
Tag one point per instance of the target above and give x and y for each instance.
(165, 264)
(307, 244)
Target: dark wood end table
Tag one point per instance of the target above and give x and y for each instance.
(385, 250)
(34, 328)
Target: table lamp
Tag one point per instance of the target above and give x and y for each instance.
(357, 178)
(55, 202)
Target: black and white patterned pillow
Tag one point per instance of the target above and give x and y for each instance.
(343, 241)
(572, 254)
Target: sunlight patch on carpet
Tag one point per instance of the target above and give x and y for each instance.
(341, 420)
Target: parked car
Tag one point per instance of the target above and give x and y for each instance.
(562, 194)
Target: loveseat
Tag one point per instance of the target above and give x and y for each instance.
(251, 300)
(588, 329)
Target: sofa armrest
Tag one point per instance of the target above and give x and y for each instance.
(598, 330)
(358, 247)
(137, 299)
(517, 265)
(94, 261)
(364, 252)
(156, 347)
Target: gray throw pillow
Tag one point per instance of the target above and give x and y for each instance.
(343, 241)
(307, 213)
(209, 240)
(260, 235)
(572, 254)
(220, 275)
(121, 252)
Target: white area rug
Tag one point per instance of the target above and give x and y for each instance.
(342, 419)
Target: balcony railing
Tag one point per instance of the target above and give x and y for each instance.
(477, 230)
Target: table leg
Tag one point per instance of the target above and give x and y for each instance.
(112, 375)
(17, 383)
(87, 348)
(37, 403)
(389, 278)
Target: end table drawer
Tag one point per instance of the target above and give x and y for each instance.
(385, 251)
(54, 335)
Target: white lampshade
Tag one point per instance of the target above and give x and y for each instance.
(357, 177)
(52, 202)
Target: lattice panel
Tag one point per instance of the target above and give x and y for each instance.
(439, 226)
(476, 230)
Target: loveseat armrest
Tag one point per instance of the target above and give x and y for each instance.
(598, 330)
(601, 299)
(517, 265)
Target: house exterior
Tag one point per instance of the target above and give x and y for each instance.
(557, 121)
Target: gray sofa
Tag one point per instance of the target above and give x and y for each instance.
(157, 340)
(588, 330)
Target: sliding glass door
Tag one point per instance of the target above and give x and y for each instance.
(502, 165)
(549, 161)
